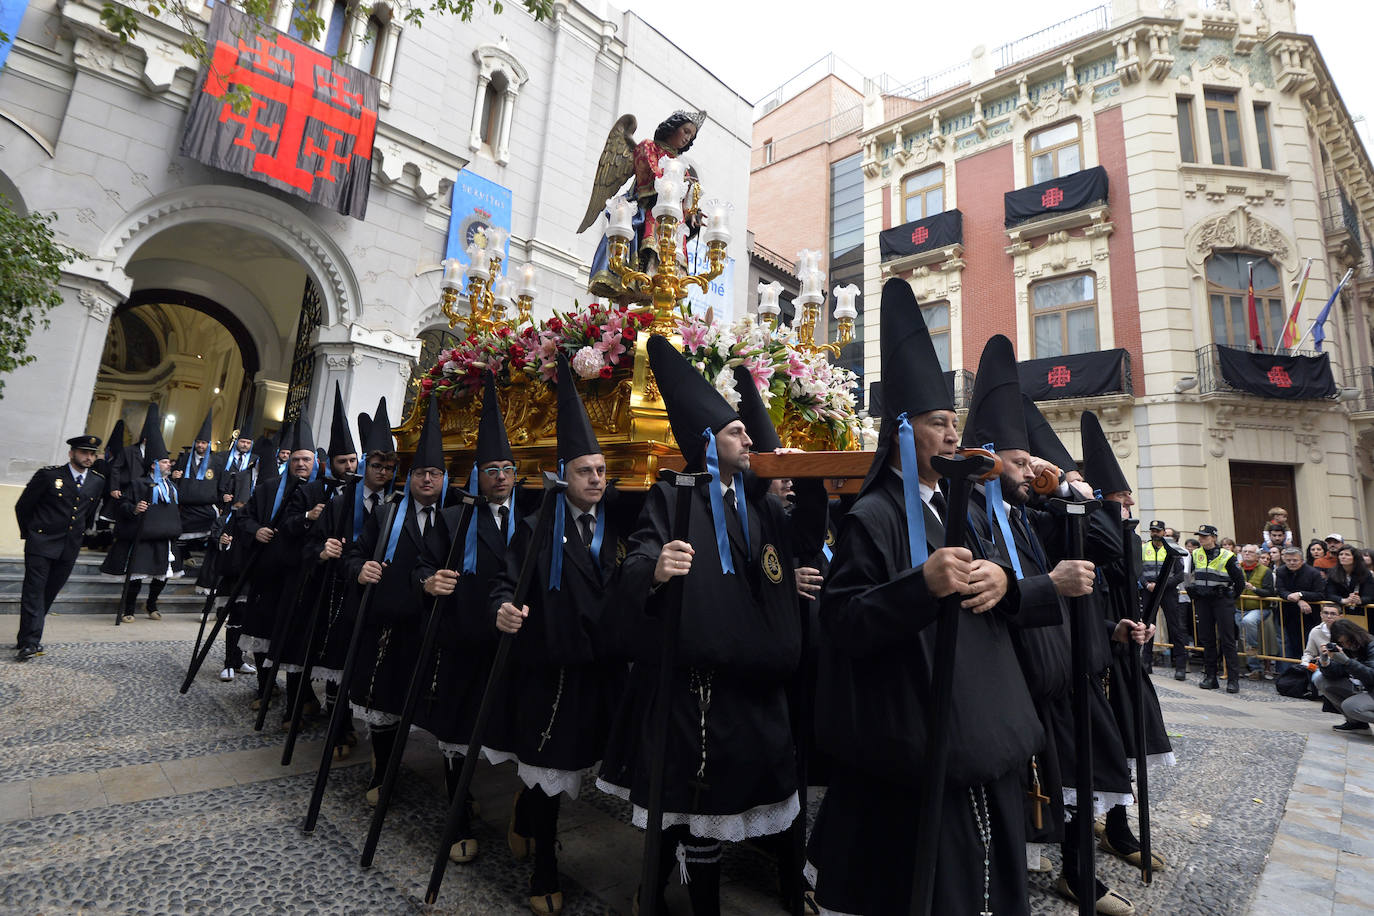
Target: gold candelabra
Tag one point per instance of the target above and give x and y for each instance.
(806, 328)
(666, 286)
(485, 314)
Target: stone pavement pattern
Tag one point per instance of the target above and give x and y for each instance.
(118, 795)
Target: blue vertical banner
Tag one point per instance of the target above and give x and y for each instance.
(478, 204)
(719, 294)
(11, 13)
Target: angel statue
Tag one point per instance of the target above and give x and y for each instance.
(622, 159)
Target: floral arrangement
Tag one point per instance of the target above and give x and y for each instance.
(596, 340)
(818, 392)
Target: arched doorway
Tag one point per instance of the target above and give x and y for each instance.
(183, 351)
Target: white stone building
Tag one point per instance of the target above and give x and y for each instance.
(194, 279)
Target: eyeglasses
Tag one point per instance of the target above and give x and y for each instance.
(506, 471)
(381, 467)
(428, 474)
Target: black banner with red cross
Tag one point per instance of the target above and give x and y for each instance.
(1270, 376)
(1058, 195)
(938, 231)
(1081, 375)
(311, 123)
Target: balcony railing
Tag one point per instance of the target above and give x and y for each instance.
(963, 389)
(1339, 215)
(1209, 378)
(1096, 19)
(1362, 380)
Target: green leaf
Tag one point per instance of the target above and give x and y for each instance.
(31, 262)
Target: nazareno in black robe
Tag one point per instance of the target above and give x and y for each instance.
(876, 662)
(741, 641)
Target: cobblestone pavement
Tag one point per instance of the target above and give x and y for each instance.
(119, 795)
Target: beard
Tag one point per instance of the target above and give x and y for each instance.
(1016, 492)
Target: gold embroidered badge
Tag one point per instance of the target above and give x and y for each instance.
(57, 483)
(772, 566)
(209, 473)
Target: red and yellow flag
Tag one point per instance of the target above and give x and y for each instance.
(1290, 327)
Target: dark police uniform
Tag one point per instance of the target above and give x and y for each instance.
(53, 512)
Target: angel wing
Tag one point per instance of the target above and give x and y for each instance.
(616, 165)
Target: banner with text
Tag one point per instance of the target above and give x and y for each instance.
(310, 121)
(478, 205)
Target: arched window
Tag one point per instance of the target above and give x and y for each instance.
(372, 44)
(1227, 294)
(1064, 315)
(433, 341)
(499, 79)
(338, 19)
(491, 107)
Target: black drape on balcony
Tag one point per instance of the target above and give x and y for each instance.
(1081, 375)
(1270, 376)
(938, 231)
(1058, 195)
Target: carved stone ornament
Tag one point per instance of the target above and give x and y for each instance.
(1238, 228)
(97, 307)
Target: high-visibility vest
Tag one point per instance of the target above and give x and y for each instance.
(1211, 573)
(1152, 561)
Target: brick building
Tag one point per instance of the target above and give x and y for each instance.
(1099, 192)
(200, 288)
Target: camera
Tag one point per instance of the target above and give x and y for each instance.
(1332, 647)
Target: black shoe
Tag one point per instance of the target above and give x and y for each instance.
(1233, 686)
(1181, 674)
(1208, 683)
(1348, 726)
(28, 652)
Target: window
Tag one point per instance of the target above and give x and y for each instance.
(499, 79)
(1064, 311)
(768, 151)
(923, 194)
(936, 315)
(491, 107)
(1223, 127)
(1055, 152)
(846, 205)
(1187, 148)
(1262, 135)
(338, 18)
(1227, 283)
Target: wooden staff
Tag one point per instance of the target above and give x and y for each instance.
(962, 471)
(552, 486)
(418, 680)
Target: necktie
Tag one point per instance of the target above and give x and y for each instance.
(80, 478)
(370, 502)
(504, 512)
(937, 502)
(426, 518)
(588, 523)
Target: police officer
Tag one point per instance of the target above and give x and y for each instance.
(1153, 553)
(54, 511)
(1217, 579)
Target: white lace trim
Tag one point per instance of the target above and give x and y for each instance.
(258, 644)
(1154, 760)
(285, 668)
(453, 751)
(374, 718)
(732, 828)
(1102, 801)
(326, 674)
(551, 780)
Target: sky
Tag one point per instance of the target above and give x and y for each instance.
(753, 46)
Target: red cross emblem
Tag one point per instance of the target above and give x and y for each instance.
(1059, 376)
(1052, 198)
(919, 235)
(304, 123)
(1278, 377)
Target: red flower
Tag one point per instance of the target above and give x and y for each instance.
(555, 324)
(627, 333)
(606, 371)
(426, 385)
(517, 351)
(504, 332)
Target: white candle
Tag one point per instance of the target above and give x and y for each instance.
(622, 212)
(453, 274)
(527, 287)
(844, 301)
(717, 228)
(505, 292)
(496, 241)
(768, 298)
(478, 267)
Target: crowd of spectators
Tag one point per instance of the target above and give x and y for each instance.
(1321, 615)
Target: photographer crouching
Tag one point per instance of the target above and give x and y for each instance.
(1346, 674)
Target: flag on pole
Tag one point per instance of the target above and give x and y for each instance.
(1251, 314)
(1290, 327)
(1319, 326)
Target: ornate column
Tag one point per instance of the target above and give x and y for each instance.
(368, 364)
(475, 134)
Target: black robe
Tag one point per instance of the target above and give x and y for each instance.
(198, 500)
(563, 685)
(335, 622)
(276, 564)
(151, 557)
(876, 664)
(389, 647)
(1123, 577)
(741, 640)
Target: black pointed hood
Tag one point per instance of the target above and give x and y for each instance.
(912, 380)
(1044, 441)
(575, 434)
(693, 404)
(492, 444)
(995, 414)
(265, 449)
(206, 433)
(299, 438)
(340, 436)
(364, 430)
(755, 416)
(154, 448)
(429, 452)
(115, 444)
(379, 438)
(150, 419)
(1100, 467)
